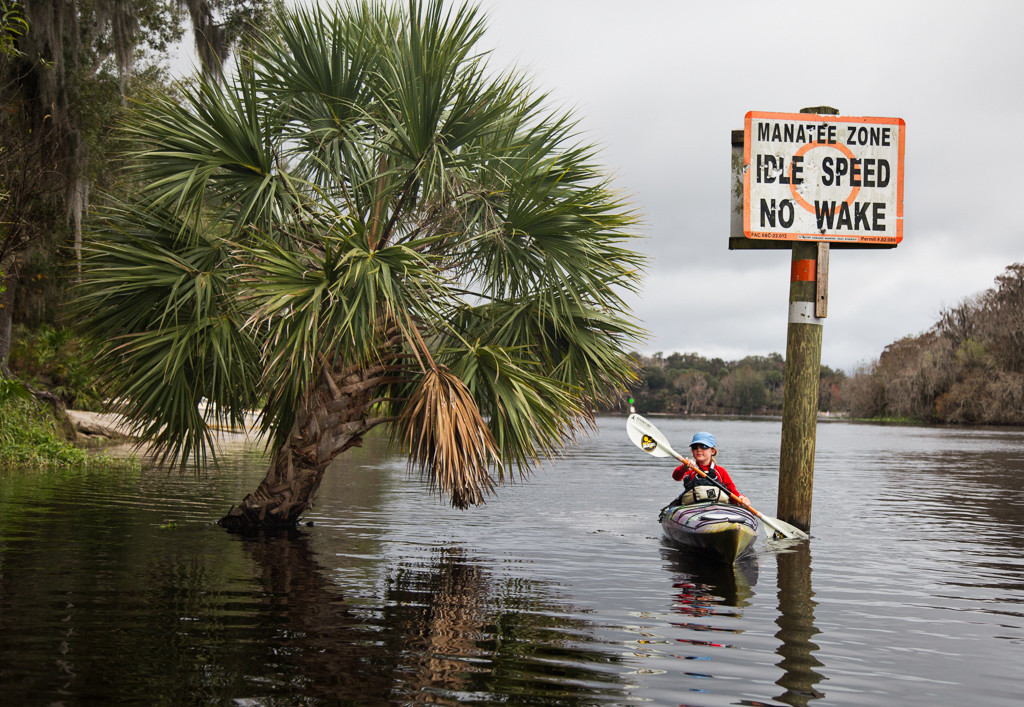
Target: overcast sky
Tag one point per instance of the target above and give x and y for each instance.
(661, 83)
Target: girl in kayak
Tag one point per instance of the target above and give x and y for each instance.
(695, 487)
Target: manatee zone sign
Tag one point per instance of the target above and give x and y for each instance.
(831, 178)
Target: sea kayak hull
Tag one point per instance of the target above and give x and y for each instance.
(722, 530)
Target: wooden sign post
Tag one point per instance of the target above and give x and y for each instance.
(807, 182)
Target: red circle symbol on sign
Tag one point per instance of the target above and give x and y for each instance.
(807, 148)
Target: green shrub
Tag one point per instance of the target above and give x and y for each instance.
(56, 360)
(29, 437)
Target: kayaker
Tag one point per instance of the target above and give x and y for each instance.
(696, 488)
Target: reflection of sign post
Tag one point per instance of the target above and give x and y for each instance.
(823, 178)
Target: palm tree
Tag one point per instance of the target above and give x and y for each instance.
(364, 225)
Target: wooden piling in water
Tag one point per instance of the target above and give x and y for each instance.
(800, 392)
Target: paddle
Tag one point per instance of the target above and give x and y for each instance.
(650, 439)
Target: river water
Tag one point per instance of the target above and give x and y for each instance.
(119, 588)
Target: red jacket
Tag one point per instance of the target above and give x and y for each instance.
(690, 478)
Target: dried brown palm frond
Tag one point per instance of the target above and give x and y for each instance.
(448, 440)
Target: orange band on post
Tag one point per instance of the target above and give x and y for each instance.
(803, 271)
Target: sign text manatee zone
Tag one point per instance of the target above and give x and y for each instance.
(823, 178)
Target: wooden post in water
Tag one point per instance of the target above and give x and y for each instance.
(800, 391)
(808, 305)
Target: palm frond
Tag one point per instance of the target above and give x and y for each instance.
(579, 343)
(560, 222)
(530, 414)
(219, 155)
(331, 305)
(447, 439)
(174, 334)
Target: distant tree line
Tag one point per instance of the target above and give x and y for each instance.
(966, 369)
(687, 383)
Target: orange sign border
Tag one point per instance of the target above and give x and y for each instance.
(816, 118)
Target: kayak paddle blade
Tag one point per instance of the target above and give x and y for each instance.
(648, 437)
(784, 529)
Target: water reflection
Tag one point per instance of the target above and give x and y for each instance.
(102, 599)
(322, 648)
(729, 585)
(118, 588)
(448, 630)
(711, 596)
(796, 626)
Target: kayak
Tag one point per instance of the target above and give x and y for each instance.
(723, 530)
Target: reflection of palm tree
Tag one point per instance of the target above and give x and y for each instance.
(796, 627)
(337, 654)
(446, 628)
(459, 631)
(449, 612)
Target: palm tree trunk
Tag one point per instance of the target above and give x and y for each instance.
(334, 420)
